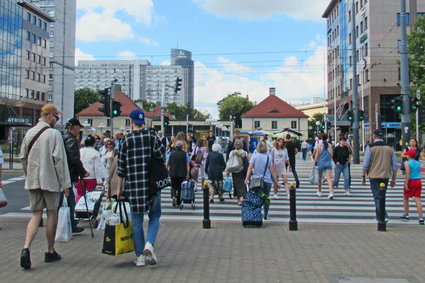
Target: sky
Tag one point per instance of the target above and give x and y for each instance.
(244, 46)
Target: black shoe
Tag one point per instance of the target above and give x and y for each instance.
(297, 185)
(211, 201)
(50, 257)
(25, 259)
(76, 230)
(221, 199)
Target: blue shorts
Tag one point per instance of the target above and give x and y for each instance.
(324, 168)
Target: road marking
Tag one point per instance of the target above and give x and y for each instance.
(13, 180)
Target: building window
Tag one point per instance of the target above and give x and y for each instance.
(52, 33)
(28, 55)
(27, 93)
(44, 43)
(34, 20)
(108, 122)
(28, 16)
(256, 124)
(407, 19)
(274, 124)
(34, 38)
(127, 122)
(367, 75)
(365, 23)
(293, 124)
(90, 122)
(44, 25)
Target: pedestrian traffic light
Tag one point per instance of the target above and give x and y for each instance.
(350, 116)
(166, 121)
(105, 100)
(178, 84)
(396, 102)
(413, 103)
(116, 108)
(328, 125)
(322, 125)
(361, 115)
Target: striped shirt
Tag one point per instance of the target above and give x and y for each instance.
(133, 165)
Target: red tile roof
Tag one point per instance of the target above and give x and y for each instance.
(273, 107)
(156, 113)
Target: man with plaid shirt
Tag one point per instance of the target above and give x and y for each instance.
(133, 166)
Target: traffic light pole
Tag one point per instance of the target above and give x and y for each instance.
(162, 110)
(404, 70)
(356, 138)
(111, 107)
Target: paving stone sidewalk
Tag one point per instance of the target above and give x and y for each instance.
(229, 253)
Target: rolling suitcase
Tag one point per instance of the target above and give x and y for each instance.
(251, 210)
(187, 194)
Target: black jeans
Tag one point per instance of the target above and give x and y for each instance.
(294, 171)
(176, 188)
(71, 204)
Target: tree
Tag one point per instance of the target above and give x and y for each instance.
(312, 127)
(180, 112)
(416, 50)
(83, 98)
(146, 105)
(233, 106)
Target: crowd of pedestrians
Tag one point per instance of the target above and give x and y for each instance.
(54, 165)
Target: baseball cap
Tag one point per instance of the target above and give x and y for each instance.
(379, 133)
(412, 153)
(138, 117)
(74, 122)
(50, 109)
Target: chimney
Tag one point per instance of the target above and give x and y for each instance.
(272, 91)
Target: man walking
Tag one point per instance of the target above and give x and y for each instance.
(379, 164)
(135, 155)
(76, 168)
(304, 148)
(46, 175)
(292, 151)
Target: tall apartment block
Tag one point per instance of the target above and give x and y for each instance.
(376, 30)
(61, 54)
(139, 79)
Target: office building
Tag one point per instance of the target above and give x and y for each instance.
(180, 57)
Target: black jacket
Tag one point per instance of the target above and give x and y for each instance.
(341, 154)
(72, 148)
(215, 166)
(178, 164)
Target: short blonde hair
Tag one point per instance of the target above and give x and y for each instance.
(262, 147)
(238, 144)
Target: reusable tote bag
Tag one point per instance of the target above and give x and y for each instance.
(64, 229)
(118, 239)
(314, 176)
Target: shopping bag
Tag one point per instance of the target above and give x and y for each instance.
(227, 184)
(314, 176)
(118, 239)
(64, 228)
(3, 199)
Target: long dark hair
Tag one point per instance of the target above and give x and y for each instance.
(325, 140)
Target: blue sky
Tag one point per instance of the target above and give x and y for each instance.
(237, 45)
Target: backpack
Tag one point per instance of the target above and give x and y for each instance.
(234, 164)
(198, 156)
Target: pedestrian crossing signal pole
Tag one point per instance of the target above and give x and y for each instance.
(206, 223)
(382, 224)
(356, 136)
(293, 224)
(404, 74)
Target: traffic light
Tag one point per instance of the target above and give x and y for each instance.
(350, 116)
(106, 101)
(361, 115)
(413, 103)
(178, 84)
(322, 125)
(116, 108)
(166, 121)
(396, 102)
(328, 125)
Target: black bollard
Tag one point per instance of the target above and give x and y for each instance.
(206, 223)
(382, 224)
(293, 225)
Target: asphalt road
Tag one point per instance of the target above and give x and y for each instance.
(17, 196)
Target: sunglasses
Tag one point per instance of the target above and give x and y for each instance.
(56, 116)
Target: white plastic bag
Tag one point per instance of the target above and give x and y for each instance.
(314, 176)
(3, 199)
(64, 229)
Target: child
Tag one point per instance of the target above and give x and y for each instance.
(412, 185)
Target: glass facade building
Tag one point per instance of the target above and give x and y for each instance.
(10, 49)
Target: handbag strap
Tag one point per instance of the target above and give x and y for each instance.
(265, 168)
(35, 138)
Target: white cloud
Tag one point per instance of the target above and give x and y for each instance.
(296, 81)
(80, 55)
(94, 26)
(126, 55)
(141, 10)
(148, 41)
(233, 67)
(165, 63)
(254, 9)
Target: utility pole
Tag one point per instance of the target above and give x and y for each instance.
(111, 106)
(404, 70)
(356, 138)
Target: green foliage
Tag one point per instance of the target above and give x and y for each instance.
(180, 112)
(83, 98)
(234, 106)
(147, 106)
(312, 127)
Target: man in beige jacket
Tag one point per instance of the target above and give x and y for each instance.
(46, 176)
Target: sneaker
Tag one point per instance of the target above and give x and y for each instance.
(25, 259)
(140, 260)
(330, 196)
(421, 221)
(405, 217)
(150, 255)
(319, 193)
(348, 193)
(76, 230)
(50, 257)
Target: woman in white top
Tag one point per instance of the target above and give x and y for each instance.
(280, 159)
(90, 158)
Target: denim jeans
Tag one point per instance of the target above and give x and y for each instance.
(304, 151)
(374, 186)
(153, 226)
(345, 172)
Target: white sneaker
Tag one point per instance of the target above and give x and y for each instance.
(319, 193)
(150, 255)
(140, 261)
(330, 196)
